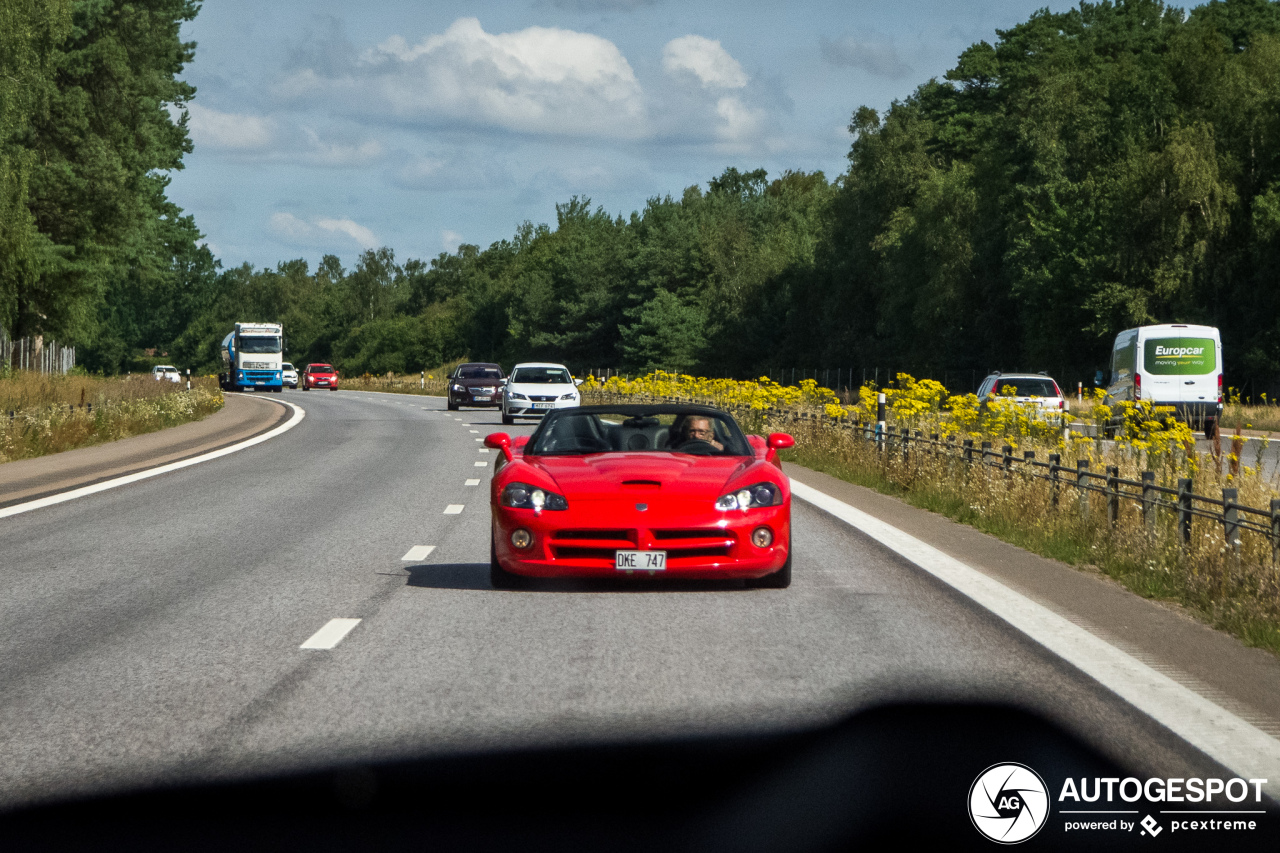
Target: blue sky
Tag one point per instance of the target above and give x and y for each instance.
(331, 127)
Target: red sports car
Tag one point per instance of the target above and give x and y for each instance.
(640, 491)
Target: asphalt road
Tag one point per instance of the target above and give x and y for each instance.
(152, 632)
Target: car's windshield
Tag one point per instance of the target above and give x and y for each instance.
(479, 373)
(286, 366)
(542, 376)
(1026, 387)
(626, 430)
(320, 368)
(260, 344)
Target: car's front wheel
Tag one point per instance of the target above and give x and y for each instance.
(500, 578)
(781, 579)
(507, 419)
(452, 406)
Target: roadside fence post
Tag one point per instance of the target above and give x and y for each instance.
(1055, 464)
(982, 459)
(1007, 461)
(887, 442)
(1149, 500)
(1231, 518)
(1082, 487)
(968, 447)
(1275, 530)
(1113, 494)
(906, 438)
(880, 414)
(1184, 509)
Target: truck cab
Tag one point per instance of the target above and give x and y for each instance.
(253, 358)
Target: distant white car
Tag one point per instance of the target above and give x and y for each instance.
(166, 371)
(289, 375)
(1037, 389)
(535, 388)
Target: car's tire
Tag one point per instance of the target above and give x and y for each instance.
(507, 419)
(781, 579)
(451, 406)
(500, 578)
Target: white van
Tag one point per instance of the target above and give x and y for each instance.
(1171, 365)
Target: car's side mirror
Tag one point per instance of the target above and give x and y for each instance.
(577, 382)
(781, 441)
(499, 441)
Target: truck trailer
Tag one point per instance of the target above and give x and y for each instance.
(253, 358)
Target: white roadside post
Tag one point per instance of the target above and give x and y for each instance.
(188, 378)
(423, 382)
(880, 418)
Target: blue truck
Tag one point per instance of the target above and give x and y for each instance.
(253, 358)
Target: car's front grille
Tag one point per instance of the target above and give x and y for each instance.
(542, 399)
(603, 543)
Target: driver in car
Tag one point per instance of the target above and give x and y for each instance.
(698, 429)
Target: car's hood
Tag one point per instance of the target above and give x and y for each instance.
(611, 475)
(541, 390)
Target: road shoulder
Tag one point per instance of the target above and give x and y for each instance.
(1244, 680)
(242, 417)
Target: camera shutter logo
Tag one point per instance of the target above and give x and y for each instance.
(1008, 803)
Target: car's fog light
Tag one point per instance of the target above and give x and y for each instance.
(523, 539)
(762, 537)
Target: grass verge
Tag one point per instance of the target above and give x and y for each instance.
(42, 414)
(1234, 591)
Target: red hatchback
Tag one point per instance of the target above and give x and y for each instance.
(319, 376)
(640, 491)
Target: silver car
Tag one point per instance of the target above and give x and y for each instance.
(289, 375)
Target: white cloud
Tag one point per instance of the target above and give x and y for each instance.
(320, 233)
(876, 57)
(738, 122)
(706, 60)
(229, 131)
(340, 154)
(538, 80)
(450, 240)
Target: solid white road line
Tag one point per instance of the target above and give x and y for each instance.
(298, 415)
(331, 634)
(1224, 737)
(474, 482)
(453, 509)
(418, 552)
(482, 464)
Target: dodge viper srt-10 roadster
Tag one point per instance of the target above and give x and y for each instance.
(640, 491)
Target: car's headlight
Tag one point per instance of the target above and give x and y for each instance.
(459, 388)
(761, 494)
(514, 396)
(524, 496)
(569, 396)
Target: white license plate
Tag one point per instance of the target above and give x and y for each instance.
(260, 382)
(483, 399)
(544, 405)
(640, 561)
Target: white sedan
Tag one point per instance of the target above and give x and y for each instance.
(166, 371)
(534, 388)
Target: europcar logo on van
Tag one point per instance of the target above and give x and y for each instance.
(1185, 356)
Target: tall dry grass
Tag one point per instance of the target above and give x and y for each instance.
(42, 414)
(1233, 588)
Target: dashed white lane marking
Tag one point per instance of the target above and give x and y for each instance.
(473, 430)
(331, 634)
(472, 482)
(1220, 734)
(418, 552)
(465, 424)
(424, 408)
(484, 450)
(479, 439)
(482, 464)
(453, 509)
